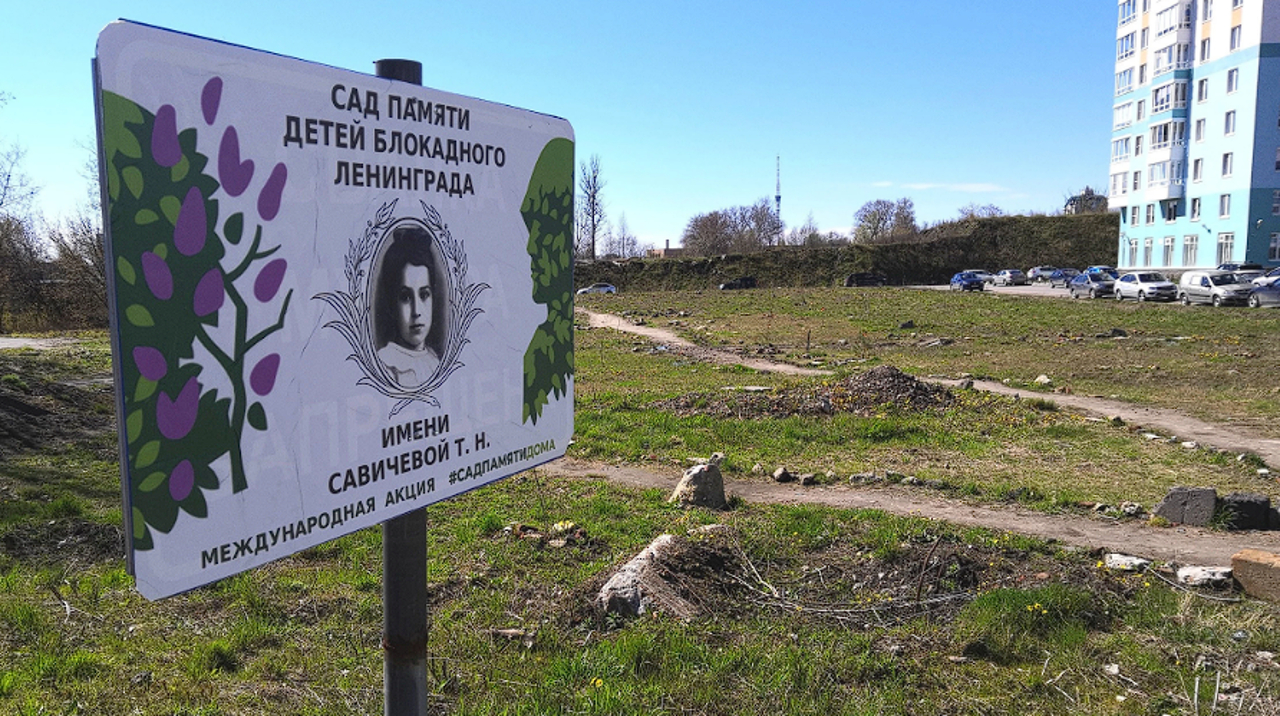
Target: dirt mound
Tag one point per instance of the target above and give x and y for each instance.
(37, 415)
(70, 542)
(863, 393)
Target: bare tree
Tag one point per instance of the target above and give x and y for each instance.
(16, 190)
(21, 269)
(974, 211)
(904, 217)
(740, 229)
(591, 221)
(708, 234)
(873, 222)
(622, 243)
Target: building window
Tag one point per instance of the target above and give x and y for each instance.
(1273, 251)
(1123, 115)
(1202, 90)
(1224, 206)
(1233, 80)
(1275, 202)
(1195, 209)
(1125, 47)
(1190, 248)
(1118, 186)
(1227, 164)
(1226, 247)
(1237, 37)
(1146, 252)
(1171, 211)
(1229, 123)
(1206, 9)
(1128, 11)
(1144, 36)
(1167, 258)
(1137, 180)
(1204, 50)
(1137, 145)
(1133, 216)
(1197, 169)
(1133, 252)
(1199, 130)
(1236, 3)
(1151, 213)
(1142, 74)
(1124, 81)
(1120, 149)
(1278, 160)
(1142, 109)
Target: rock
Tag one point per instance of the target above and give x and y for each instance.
(1151, 436)
(1204, 576)
(830, 475)
(638, 587)
(1131, 509)
(1125, 563)
(1247, 511)
(808, 478)
(1115, 420)
(783, 475)
(1188, 505)
(1258, 572)
(702, 486)
(907, 324)
(967, 384)
(1190, 444)
(1264, 472)
(862, 477)
(1043, 379)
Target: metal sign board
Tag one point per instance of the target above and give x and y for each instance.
(335, 298)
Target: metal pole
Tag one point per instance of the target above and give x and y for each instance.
(404, 563)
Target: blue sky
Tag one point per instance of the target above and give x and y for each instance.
(687, 104)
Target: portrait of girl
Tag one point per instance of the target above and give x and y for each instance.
(410, 306)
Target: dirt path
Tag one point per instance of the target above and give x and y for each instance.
(1167, 423)
(7, 343)
(1181, 545)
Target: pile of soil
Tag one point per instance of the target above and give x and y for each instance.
(38, 415)
(862, 394)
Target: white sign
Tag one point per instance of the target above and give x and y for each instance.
(335, 298)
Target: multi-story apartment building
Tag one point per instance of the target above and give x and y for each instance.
(1195, 142)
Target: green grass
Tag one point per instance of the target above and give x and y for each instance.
(829, 611)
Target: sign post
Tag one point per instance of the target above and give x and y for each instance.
(405, 625)
(335, 299)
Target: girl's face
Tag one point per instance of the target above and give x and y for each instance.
(413, 307)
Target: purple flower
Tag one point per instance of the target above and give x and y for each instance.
(176, 416)
(235, 174)
(164, 137)
(210, 97)
(268, 281)
(189, 231)
(159, 278)
(269, 198)
(210, 292)
(263, 376)
(181, 480)
(150, 362)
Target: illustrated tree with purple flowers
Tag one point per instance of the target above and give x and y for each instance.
(175, 280)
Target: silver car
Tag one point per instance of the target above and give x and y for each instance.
(1215, 286)
(1265, 294)
(1094, 285)
(1145, 286)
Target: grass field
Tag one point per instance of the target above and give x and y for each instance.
(811, 610)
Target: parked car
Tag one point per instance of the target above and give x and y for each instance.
(865, 278)
(1093, 285)
(1248, 275)
(1212, 286)
(982, 274)
(1062, 277)
(1265, 294)
(1040, 274)
(1108, 270)
(1010, 277)
(1266, 277)
(1145, 286)
(967, 281)
(1247, 266)
(739, 282)
(597, 288)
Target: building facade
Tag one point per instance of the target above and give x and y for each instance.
(1195, 142)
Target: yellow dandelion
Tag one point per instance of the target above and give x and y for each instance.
(597, 682)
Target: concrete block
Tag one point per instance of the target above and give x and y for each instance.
(1247, 511)
(1189, 505)
(1258, 573)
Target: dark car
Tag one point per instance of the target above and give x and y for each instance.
(864, 278)
(967, 281)
(1265, 294)
(1111, 271)
(1094, 284)
(739, 282)
(1062, 277)
(1241, 267)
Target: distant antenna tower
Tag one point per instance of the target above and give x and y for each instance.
(777, 197)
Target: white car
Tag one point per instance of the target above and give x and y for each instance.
(1145, 286)
(597, 288)
(986, 276)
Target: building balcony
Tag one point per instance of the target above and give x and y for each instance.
(1163, 190)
